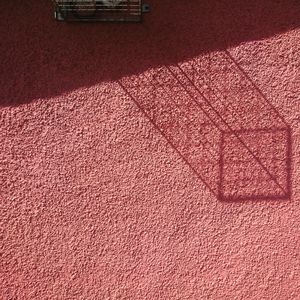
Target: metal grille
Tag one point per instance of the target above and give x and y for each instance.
(93, 10)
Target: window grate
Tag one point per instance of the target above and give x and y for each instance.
(104, 10)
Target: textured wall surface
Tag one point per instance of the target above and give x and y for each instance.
(151, 161)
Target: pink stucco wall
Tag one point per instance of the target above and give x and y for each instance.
(151, 161)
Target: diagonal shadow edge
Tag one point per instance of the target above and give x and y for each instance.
(255, 86)
(204, 143)
(166, 138)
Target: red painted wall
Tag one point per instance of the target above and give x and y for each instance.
(151, 161)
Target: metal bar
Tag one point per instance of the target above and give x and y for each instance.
(89, 10)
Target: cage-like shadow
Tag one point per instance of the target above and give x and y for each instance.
(239, 151)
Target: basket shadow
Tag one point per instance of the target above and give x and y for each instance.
(237, 159)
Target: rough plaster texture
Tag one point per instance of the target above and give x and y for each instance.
(151, 161)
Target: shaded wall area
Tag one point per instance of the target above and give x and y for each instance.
(41, 58)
